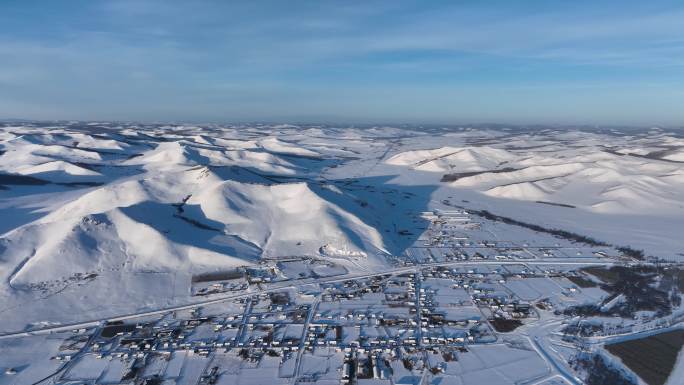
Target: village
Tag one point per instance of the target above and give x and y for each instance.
(461, 293)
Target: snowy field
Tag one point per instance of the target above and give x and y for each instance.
(323, 238)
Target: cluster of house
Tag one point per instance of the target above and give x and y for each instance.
(443, 224)
(361, 366)
(221, 287)
(403, 307)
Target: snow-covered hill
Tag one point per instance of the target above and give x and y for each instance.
(286, 219)
(591, 177)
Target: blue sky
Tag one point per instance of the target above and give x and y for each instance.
(603, 62)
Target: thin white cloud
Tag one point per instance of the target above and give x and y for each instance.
(171, 57)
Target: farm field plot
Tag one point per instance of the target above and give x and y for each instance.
(651, 358)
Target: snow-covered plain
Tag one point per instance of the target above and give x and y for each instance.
(103, 219)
